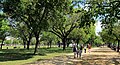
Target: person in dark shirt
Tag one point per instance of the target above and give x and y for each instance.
(80, 51)
(85, 47)
(74, 48)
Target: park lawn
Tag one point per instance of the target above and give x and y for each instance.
(33, 59)
(20, 56)
(18, 46)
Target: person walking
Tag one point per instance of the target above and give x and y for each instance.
(89, 48)
(80, 51)
(85, 47)
(74, 48)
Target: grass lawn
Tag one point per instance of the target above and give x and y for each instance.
(21, 56)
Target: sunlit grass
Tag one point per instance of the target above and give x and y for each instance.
(21, 56)
(33, 59)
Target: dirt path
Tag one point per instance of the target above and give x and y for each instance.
(98, 56)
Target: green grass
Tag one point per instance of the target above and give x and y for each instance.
(21, 56)
(33, 59)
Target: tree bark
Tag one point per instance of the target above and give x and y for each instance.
(2, 42)
(50, 43)
(37, 42)
(67, 44)
(64, 43)
(24, 44)
(118, 46)
(28, 42)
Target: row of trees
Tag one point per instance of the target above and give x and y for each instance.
(111, 22)
(65, 19)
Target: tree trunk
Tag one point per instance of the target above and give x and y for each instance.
(24, 44)
(2, 42)
(28, 42)
(64, 43)
(67, 44)
(37, 42)
(118, 46)
(50, 43)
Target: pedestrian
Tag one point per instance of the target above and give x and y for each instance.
(89, 48)
(80, 51)
(77, 52)
(85, 49)
(74, 48)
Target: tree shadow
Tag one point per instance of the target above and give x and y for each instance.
(54, 49)
(14, 56)
(23, 54)
(69, 60)
(115, 61)
(90, 59)
(103, 51)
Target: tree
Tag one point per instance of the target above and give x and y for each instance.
(111, 18)
(76, 35)
(107, 37)
(64, 25)
(16, 11)
(49, 38)
(35, 14)
(20, 30)
(4, 30)
(98, 41)
(116, 33)
(108, 11)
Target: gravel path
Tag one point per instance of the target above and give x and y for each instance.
(98, 56)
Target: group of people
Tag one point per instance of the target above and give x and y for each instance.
(79, 50)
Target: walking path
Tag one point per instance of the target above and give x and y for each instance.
(98, 56)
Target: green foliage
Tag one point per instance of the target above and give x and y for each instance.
(85, 35)
(35, 17)
(35, 14)
(33, 40)
(116, 31)
(48, 36)
(98, 40)
(4, 29)
(7, 41)
(15, 41)
(90, 33)
(106, 36)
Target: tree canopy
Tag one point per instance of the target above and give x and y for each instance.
(67, 19)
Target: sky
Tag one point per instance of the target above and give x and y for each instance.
(98, 27)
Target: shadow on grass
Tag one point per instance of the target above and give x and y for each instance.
(23, 54)
(54, 49)
(14, 56)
